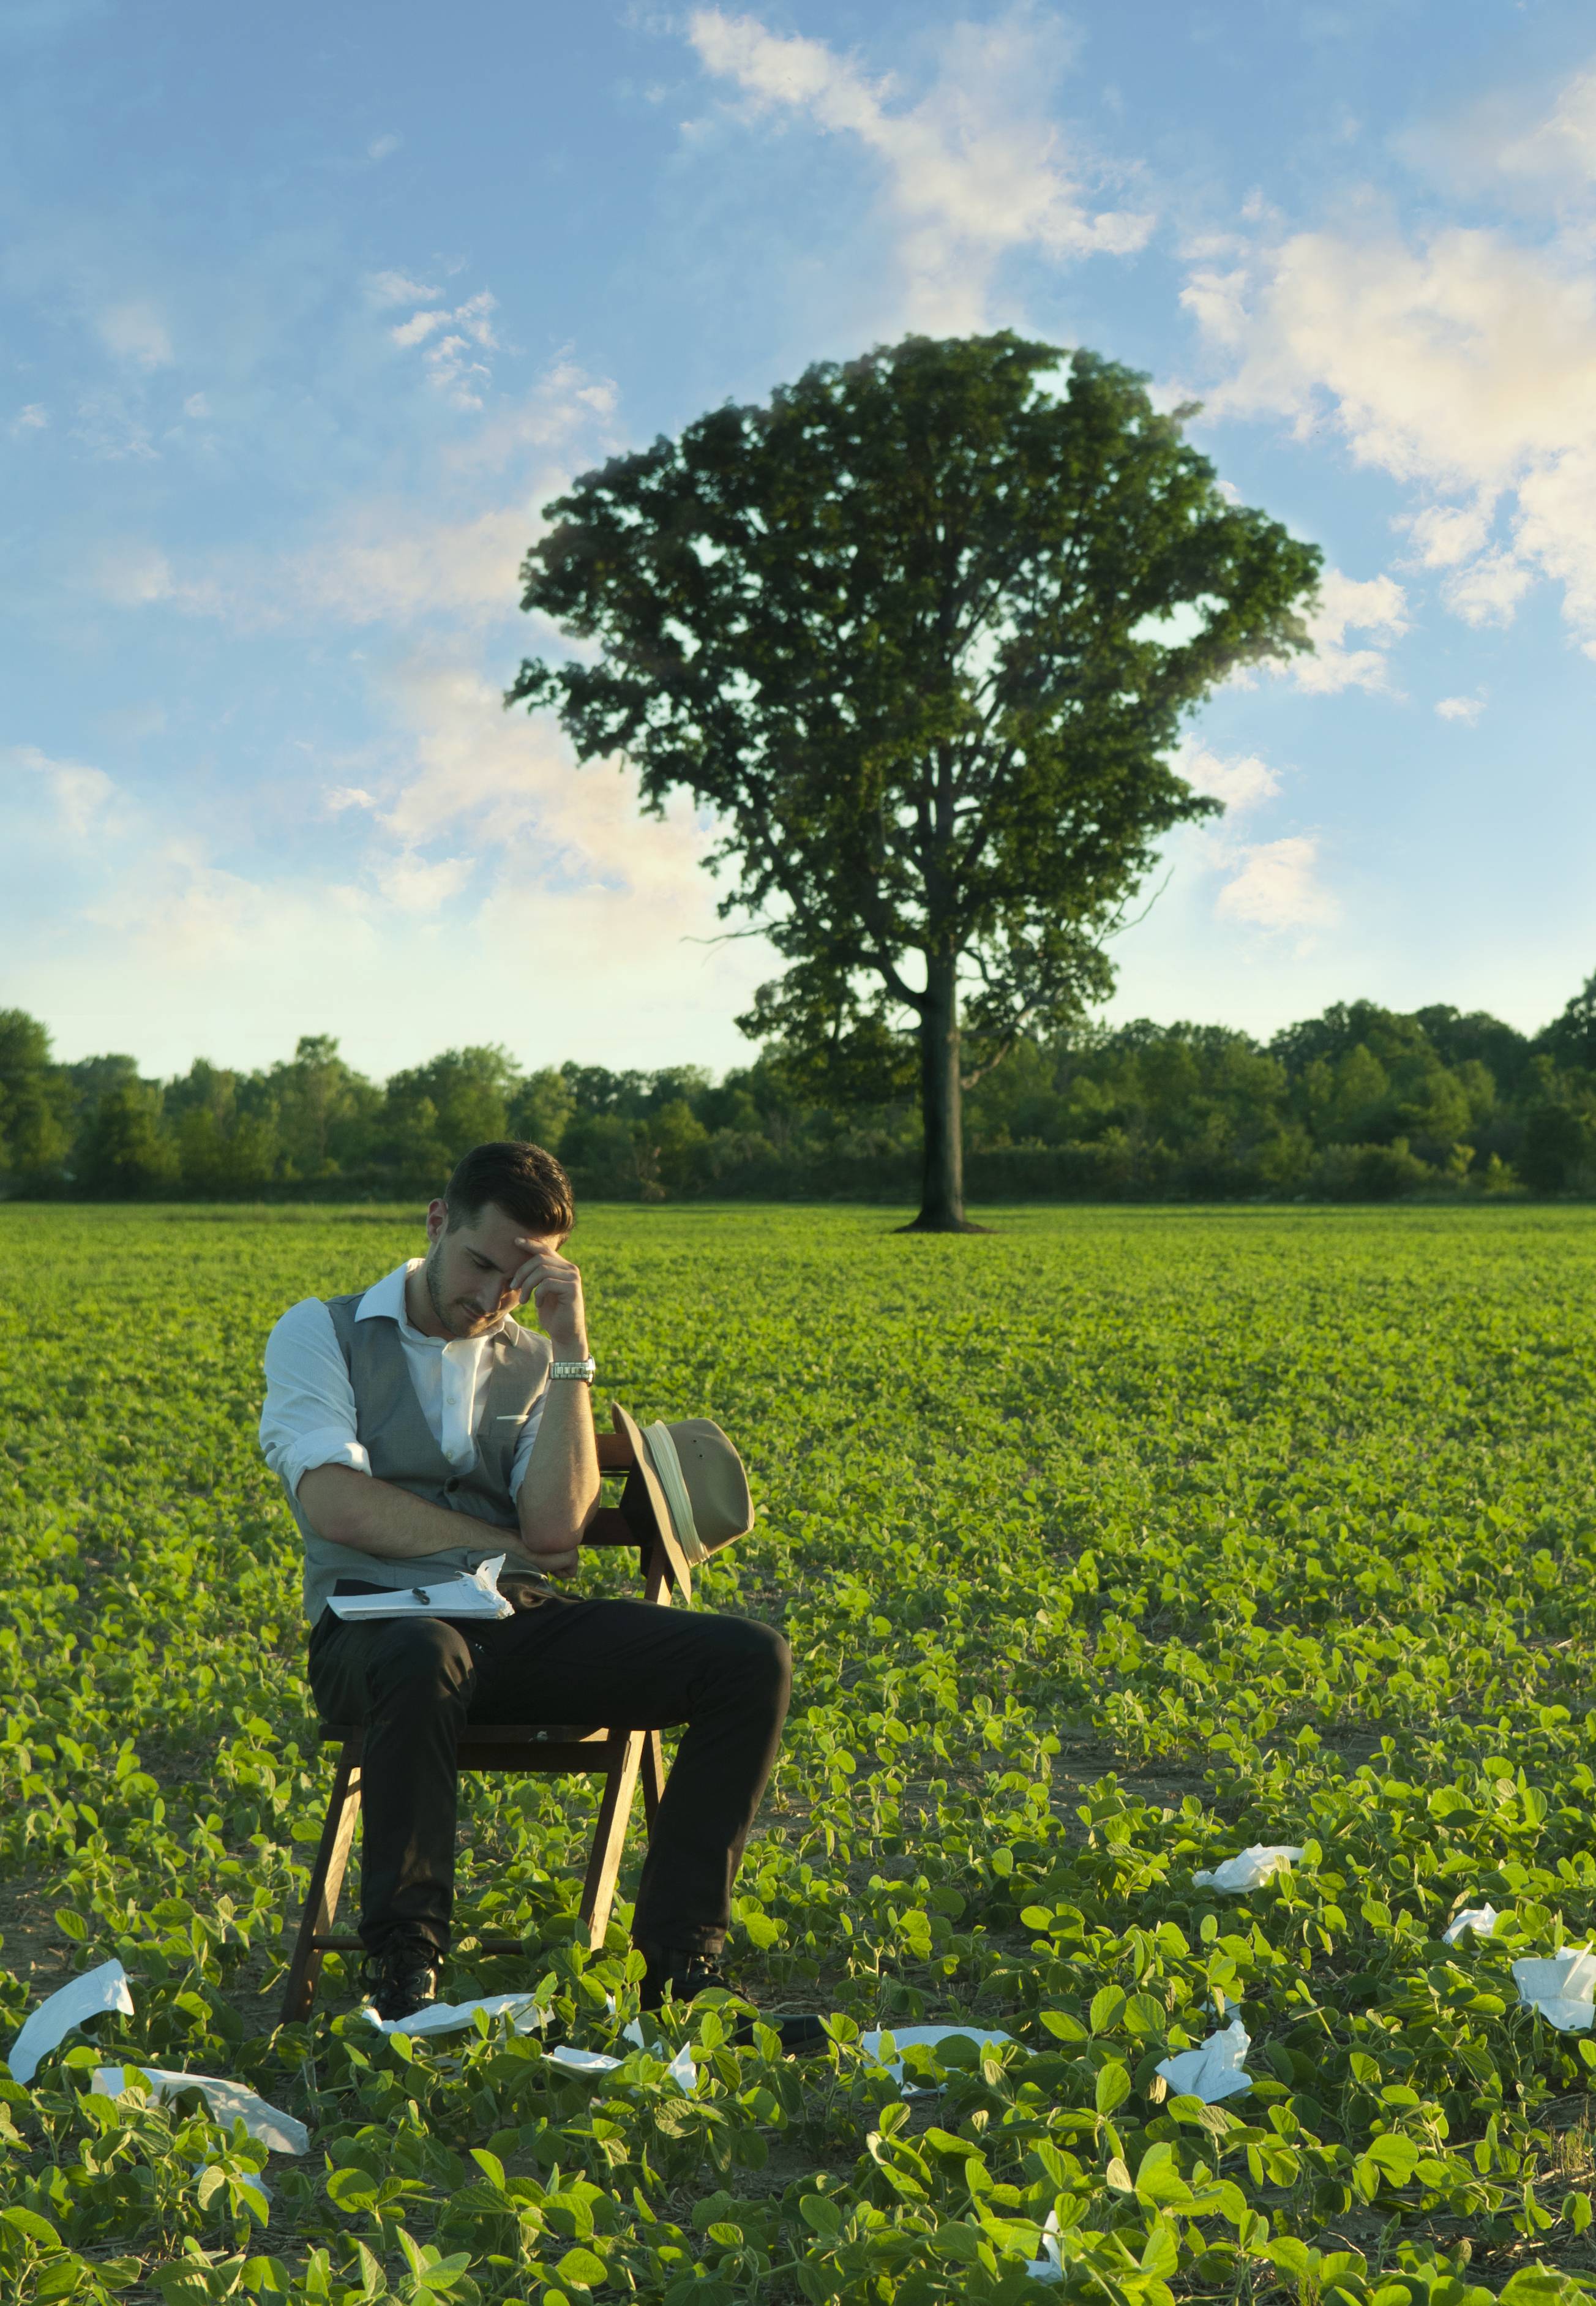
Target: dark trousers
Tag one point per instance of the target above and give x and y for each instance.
(414, 1682)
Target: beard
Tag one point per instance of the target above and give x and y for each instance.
(450, 1315)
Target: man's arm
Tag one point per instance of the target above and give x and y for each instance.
(560, 1488)
(372, 1517)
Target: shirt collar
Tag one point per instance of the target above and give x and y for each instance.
(384, 1301)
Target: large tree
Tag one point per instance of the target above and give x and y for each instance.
(921, 634)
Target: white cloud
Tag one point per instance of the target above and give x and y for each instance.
(196, 405)
(397, 288)
(1466, 709)
(132, 575)
(1564, 143)
(566, 410)
(974, 168)
(451, 363)
(33, 418)
(80, 798)
(489, 862)
(414, 885)
(1242, 782)
(418, 328)
(1276, 887)
(1374, 604)
(385, 562)
(134, 331)
(342, 797)
(381, 147)
(391, 569)
(1463, 364)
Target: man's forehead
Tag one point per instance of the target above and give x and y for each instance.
(495, 1234)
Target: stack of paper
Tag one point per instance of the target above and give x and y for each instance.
(475, 1595)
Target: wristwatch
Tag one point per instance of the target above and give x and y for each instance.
(584, 1373)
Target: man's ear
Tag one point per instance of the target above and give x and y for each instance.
(437, 1220)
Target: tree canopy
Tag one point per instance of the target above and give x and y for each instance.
(921, 632)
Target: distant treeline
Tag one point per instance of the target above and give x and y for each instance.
(1362, 1103)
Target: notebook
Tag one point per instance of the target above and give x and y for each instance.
(475, 1595)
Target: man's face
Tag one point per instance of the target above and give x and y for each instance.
(470, 1273)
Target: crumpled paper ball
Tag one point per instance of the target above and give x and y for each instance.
(1214, 2070)
(1481, 1919)
(1256, 1865)
(1562, 1987)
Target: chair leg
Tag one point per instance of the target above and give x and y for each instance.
(326, 1883)
(654, 1776)
(608, 1840)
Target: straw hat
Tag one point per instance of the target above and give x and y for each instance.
(696, 1484)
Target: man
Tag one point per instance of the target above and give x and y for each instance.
(418, 1430)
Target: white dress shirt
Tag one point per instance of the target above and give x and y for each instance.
(309, 1416)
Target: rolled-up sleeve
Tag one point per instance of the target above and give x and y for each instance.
(309, 1416)
(523, 1442)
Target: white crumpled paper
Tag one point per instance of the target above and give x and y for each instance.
(910, 2037)
(92, 1995)
(1214, 2070)
(681, 2069)
(229, 2102)
(1257, 1864)
(474, 1593)
(1050, 2265)
(450, 2016)
(1563, 1988)
(527, 2018)
(1481, 1919)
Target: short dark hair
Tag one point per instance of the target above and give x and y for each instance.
(524, 1181)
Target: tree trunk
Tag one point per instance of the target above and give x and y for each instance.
(941, 1107)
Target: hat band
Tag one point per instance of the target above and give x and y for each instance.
(667, 1466)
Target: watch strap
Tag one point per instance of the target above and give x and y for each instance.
(584, 1373)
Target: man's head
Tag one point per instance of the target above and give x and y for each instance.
(499, 1197)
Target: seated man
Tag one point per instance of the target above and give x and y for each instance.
(418, 1430)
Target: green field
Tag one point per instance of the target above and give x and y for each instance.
(1106, 1545)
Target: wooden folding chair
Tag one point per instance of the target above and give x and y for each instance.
(618, 1755)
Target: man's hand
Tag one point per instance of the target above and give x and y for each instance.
(554, 1285)
(532, 1560)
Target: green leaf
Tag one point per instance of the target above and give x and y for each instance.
(1162, 2255)
(582, 2265)
(1144, 2015)
(1112, 2087)
(1158, 2179)
(961, 2243)
(29, 2222)
(824, 2216)
(1397, 2156)
(1107, 2004)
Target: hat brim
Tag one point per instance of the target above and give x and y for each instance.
(681, 1576)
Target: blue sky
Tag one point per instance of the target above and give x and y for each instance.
(305, 311)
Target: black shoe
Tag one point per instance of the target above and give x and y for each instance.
(402, 1978)
(681, 1972)
(685, 1973)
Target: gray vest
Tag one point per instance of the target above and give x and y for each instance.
(392, 1429)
